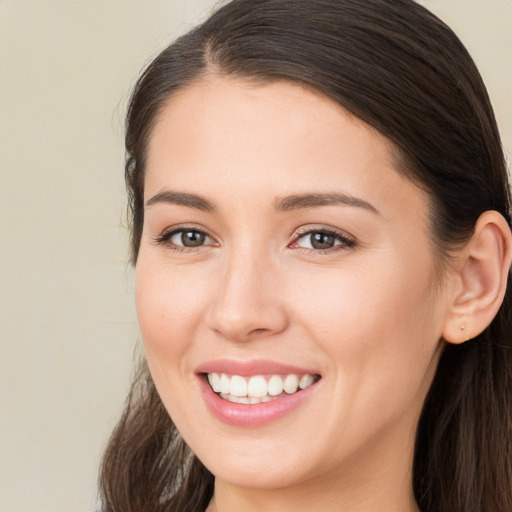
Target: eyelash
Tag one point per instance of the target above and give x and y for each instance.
(163, 239)
(346, 241)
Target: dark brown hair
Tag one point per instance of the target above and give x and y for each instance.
(400, 69)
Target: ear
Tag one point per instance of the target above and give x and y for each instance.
(483, 267)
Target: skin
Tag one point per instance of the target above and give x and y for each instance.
(367, 316)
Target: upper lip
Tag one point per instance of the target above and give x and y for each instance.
(252, 367)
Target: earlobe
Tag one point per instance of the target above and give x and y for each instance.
(483, 268)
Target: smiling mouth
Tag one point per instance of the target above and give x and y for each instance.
(258, 388)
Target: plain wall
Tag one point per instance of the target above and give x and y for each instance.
(67, 322)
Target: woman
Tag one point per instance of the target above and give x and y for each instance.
(321, 232)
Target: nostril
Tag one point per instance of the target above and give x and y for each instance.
(258, 330)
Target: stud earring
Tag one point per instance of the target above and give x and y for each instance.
(463, 329)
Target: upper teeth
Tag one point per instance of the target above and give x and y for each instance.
(258, 386)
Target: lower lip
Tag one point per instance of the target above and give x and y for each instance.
(252, 415)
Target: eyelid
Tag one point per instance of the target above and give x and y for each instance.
(347, 240)
(164, 237)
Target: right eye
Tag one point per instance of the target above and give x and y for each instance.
(184, 238)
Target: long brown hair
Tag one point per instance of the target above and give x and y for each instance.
(400, 69)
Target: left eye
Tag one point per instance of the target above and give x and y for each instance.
(322, 240)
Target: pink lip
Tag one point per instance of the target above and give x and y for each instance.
(254, 415)
(247, 368)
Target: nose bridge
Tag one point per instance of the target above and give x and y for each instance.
(246, 303)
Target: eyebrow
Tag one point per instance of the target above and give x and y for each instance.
(283, 204)
(300, 201)
(182, 199)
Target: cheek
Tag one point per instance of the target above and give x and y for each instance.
(168, 302)
(358, 299)
(379, 327)
(169, 309)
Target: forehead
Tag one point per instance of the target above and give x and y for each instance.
(276, 139)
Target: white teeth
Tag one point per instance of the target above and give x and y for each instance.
(214, 380)
(256, 389)
(238, 386)
(245, 399)
(291, 383)
(305, 381)
(224, 384)
(275, 385)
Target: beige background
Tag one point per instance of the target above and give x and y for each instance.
(67, 323)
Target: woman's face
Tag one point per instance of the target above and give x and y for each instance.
(279, 240)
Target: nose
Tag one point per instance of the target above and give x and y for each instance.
(247, 303)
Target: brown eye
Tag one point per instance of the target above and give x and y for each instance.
(190, 238)
(322, 241)
(185, 238)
